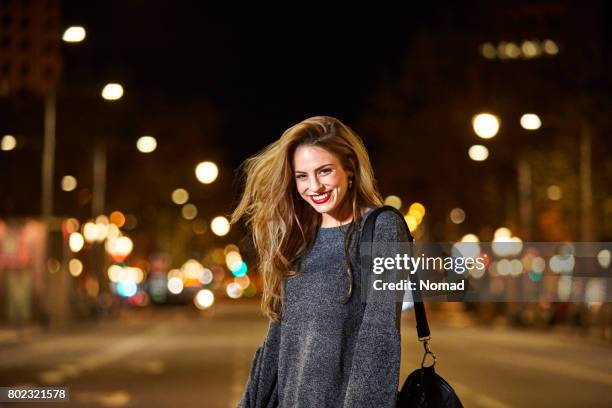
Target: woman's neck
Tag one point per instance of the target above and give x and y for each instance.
(343, 216)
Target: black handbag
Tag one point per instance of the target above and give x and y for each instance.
(423, 388)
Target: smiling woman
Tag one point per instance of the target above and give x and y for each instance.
(305, 199)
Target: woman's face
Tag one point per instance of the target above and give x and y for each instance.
(321, 181)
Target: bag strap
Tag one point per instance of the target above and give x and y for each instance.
(367, 237)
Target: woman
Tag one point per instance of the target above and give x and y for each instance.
(305, 199)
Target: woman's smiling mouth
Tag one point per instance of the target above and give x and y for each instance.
(322, 198)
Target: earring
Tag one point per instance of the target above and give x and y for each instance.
(350, 183)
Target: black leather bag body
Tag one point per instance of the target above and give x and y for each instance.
(423, 388)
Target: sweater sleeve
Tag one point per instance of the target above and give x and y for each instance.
(261, 387)
(374, 375)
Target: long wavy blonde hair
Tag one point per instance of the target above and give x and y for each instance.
(283, 225)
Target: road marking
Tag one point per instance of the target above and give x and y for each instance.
(103, 357)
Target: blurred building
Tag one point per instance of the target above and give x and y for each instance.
(30, 35)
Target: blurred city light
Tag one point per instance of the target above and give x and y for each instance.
(112, 92)
(393, 201)
(417, 207)
(117, 218)
(538, 264)
(8, 143)
(501, 50)
(68, 183)
(220, 226)
(180, 196)
(74, 34)
(234, 290)
(115, 273)
(243, 281)
(53, 265)
(70, 225)
(457, 215)
(411, 222)
(502, 233)
(90, 231)
(127, 288)
(206, 172)
(75, 267)
(233, 260)
(485, 125)
(530, 49)
(134, 274)
(554, 193)
(112, 231)
(102, 223)
(146, 144)
(119, 248)
(504, 244)
(488, 50)
(189, 211)
(207, 276)
(470, 238)
(564, 288)
(550, 47)
(230, 248)
(530, 121)
(512, 50)
(562, 263)
(204, 299)
(603, 257)
(76, 242)
(175, 285)
(478, 153)
(239, 269)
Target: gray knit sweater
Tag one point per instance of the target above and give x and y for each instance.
(325, 353)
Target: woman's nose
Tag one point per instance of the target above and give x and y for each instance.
(315, 185)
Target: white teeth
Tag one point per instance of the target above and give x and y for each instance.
(320, 197)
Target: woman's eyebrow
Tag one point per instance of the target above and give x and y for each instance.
(318, 168)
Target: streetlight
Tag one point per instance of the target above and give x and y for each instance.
(69, 183)
(206, 172)
(220, 226)
(146, 144)
(112, 91)
(74, 34)
(8, 143)
(478, 153)
(530, 121)
(485, 125)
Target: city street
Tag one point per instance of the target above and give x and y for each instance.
(177, 357)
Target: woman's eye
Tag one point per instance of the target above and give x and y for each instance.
(301, 177)
(325, 171)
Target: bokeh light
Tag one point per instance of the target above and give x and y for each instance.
(554, 193)
(457, 215)
(233, 290)
(74, 34)
(112, 92)
(75, 267)
(478, 153)
(76, 242)
(175, 285)
(220, 226)
(485, 125)
(8, 143)
(68, 183)
(204, 299)
(530, 121)
(393, 201)
(146, 144)
(117, 218)
(180, 196)
(206, 172)
(189, 211)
